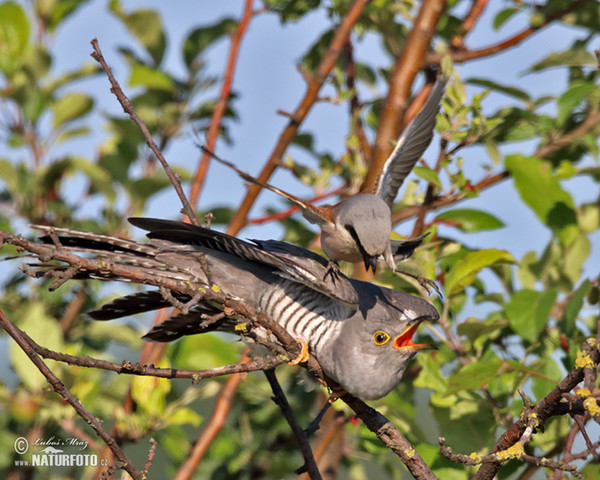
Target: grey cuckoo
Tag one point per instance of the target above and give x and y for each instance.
(359, 227)
(360, 333)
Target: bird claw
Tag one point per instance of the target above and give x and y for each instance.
(333, 271)
(426, 283)
(303, 356)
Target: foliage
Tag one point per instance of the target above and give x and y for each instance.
(509, 321)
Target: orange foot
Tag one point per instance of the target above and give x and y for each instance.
(336, 394)
(302, 356)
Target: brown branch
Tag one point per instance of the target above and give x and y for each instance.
(468, 23)
(290, 211)
(544, 409)
(389, 434)
(128, 368)
(310, 466)
(128, 108)
(221, 105)
(22, 340)
(217, 420)
(336, 46)
(402, 78)
(466, 55)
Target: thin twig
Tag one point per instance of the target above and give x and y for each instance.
(316, 82)
(128, 108)
(465, 55)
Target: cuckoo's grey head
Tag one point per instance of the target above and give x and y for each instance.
(371, 353)
(367, 219)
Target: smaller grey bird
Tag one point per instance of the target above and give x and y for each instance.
(359, 227)
(360, 333)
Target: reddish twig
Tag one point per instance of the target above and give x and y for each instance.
(336, 46)
(290, 211)
(468, 23)
(221, 105)
(128, 108)
(466, 55)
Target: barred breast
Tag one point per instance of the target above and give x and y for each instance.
(304, 313)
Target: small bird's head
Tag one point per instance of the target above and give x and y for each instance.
(367, 219)
(370, 356)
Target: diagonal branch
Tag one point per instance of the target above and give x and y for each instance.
(128, 108)
(545, 408)
(466, 55)
(336, 46)
(123, 461)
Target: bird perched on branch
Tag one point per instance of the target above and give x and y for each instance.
(359, 227)
(361, 334)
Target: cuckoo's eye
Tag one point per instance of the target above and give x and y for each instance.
(380, 338)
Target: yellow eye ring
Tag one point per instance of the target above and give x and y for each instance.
(380, 338)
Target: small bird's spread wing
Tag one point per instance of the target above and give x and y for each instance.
(289, 261)
(314, 214)
(412, 143)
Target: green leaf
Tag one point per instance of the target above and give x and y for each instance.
(576, 57)
(44, 330)
(528, 312)
(469, 220)
(474, 375)
(464, 271)
(146, 26)
(14, 37)
(428, 174)
(573, 307)
(150, 393)
(145, 76)
(71, 107)
(540, 189)
(572, 98)
(503, 16)
(577, 252)
(200, 38)
(198, 352)
(56, 11)
(508, 90)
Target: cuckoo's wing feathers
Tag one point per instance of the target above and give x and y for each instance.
(296, 263)
(414, 140)
(311, 212)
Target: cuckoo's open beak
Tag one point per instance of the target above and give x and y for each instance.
(405, 340)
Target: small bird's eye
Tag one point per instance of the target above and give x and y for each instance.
(380, 337)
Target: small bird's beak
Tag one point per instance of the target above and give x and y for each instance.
(370, 262)
(405, 340)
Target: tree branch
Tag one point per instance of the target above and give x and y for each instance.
(128, 108)
(23, 341)
(336, 46)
